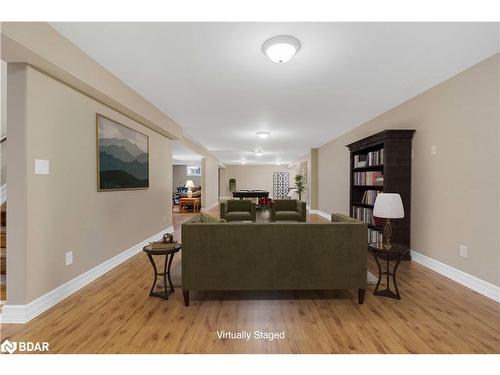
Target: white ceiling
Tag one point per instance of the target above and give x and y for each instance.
(213, 79)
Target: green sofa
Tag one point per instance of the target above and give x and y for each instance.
(238, 210)
(288, 210)
(219, 256)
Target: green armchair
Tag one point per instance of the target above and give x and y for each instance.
(288, 210)
(238, 210)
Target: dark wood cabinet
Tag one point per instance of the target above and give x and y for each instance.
(389, 171)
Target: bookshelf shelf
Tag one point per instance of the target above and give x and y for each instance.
(370, 168)
(384, 158)
(359, 204)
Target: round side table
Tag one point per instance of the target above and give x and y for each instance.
(169, 257)
(395, 253)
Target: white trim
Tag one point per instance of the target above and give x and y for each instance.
(467, 280)
(20, 314)
(205, 209)
(320, 213)
(3, 193)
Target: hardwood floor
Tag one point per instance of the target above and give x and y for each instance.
(114, 314)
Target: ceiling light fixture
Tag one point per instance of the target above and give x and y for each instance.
(259, 153)
(263, 135)
(281, 48)
(243, 162)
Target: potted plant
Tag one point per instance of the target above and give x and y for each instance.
(299, 185)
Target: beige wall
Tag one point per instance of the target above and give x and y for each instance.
(209, 182)
(3, 120)
(17, 171)
(250, 177)
(455, 193)
(295, 169)
(63, 211)
(179, 177)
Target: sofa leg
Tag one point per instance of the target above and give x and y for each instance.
(185, 293)
(361, 296)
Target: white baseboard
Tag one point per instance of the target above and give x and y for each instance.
(320, 213)
(467, 280)
(20, 314)
(205, 209)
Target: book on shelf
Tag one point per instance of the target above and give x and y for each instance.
(369, 197)
(375, 236)
(363, 214)
(374, 178)
(360, 161)
(372, 158)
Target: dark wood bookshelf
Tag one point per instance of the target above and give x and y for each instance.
(370, 168)
(359, 204)
(396, 169)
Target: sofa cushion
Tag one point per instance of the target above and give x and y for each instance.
(288, 215)
(238, 205)
(205, 218)
(238, 216)
(286, 205)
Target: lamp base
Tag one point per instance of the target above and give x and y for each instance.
(189, 193)
(387, 234)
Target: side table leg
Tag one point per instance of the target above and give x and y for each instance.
(185, 293)
(379, 272)
(150, 257)
(165, 290)
(394, 276)
(361, 296)
(168, 273)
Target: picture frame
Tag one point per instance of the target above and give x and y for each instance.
(122, 156)
(193, 170)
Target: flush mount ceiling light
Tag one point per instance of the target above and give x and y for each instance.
(243, 162)
(281, 48)
(259, 153)
(263, 135)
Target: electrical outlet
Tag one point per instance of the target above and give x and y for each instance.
(69, 258)
(463, 251)
(434, 150)
(41, 166)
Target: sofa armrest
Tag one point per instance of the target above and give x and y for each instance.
(301, 208)
(341, 218)
(223, 210)
(273, 212)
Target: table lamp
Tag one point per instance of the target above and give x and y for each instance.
(388, 206)
(189, 185)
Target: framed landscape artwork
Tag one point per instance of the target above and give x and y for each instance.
(122, 156)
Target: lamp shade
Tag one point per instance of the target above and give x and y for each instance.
(189, 184)
(388, 206)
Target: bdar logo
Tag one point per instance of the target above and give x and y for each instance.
(8, 347)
